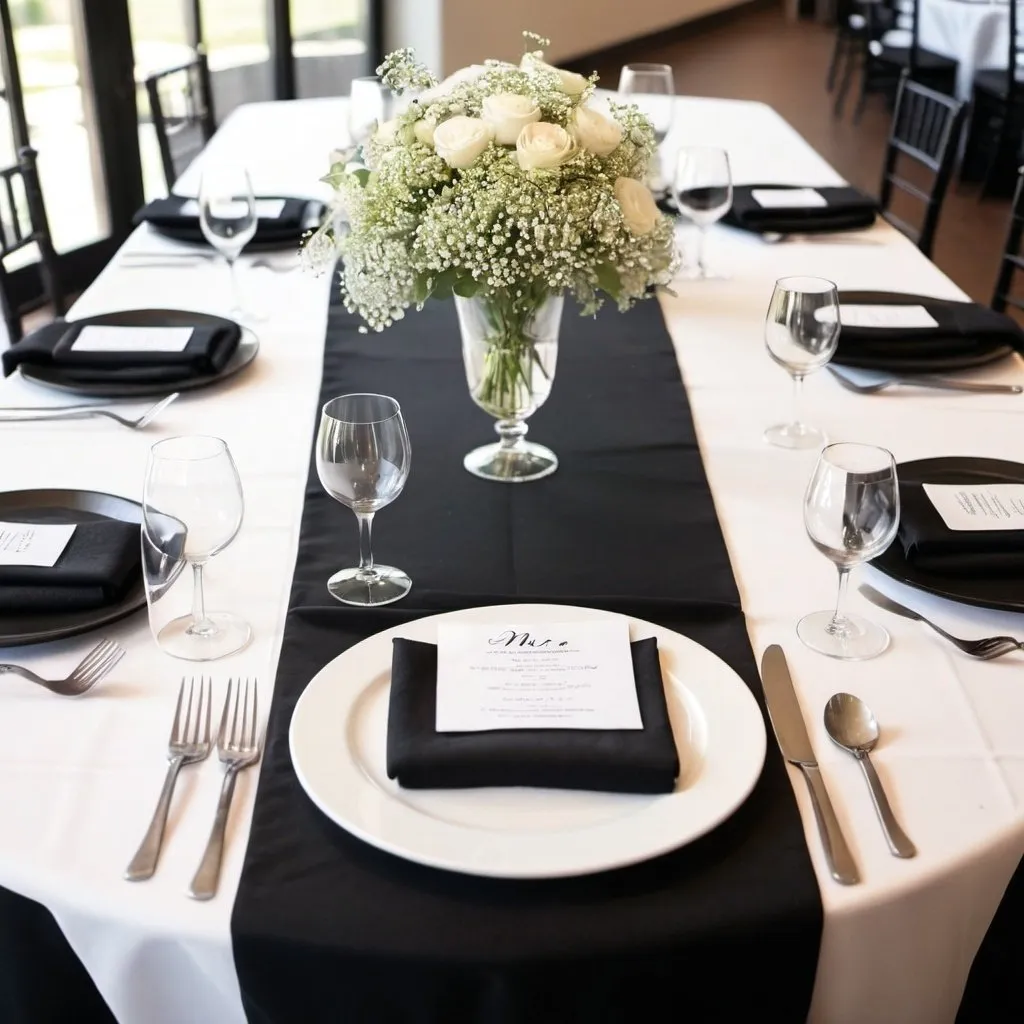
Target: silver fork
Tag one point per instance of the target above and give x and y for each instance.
(237, 749)
(931, 383)
(186, 745)
(84, 412)
(84, 676)
(986, 648)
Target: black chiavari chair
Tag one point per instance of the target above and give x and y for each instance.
(925, 130)
(1012, 260)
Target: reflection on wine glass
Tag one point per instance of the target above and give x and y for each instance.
(851, 511)
(227, 217)
(366, 108)
(801, 332)
(362, 459)
(652, 89)
(702, 189)
(192, 509)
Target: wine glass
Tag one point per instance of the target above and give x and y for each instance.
(192, 509)
(702, 189)
(851, 511)
(366, 108)
(801, 332)
(227, 216)
(652, 89)
(362, 458)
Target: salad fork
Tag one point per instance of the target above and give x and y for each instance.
(30, 414)
(84, 676)
(237, 749)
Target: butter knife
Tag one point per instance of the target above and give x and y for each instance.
(791, 733)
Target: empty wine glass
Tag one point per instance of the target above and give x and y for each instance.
(801, 332)
(192, 509)
(702, 189)
(652, 89)
(362, 458)
(851, 511)
(227, 216)
(366, 108)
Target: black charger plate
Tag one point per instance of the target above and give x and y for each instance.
(1005, 593)
(69, 507)
(58, 379)
(312, 217)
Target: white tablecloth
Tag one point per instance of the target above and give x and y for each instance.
(78, 779)
(975, 32)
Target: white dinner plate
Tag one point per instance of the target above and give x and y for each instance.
(338, 739)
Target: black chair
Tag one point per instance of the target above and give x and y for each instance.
(991, 154)
(850, 47)
(22, 223)
(180, 103)
(885, 64)
(925, 129)
(1012, 260)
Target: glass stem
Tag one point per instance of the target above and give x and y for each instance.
(701, 268)
(200, 625)
(798, 395)
(236, 292)
(365, 548)
(838, 623)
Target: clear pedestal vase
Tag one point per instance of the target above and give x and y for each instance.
(510, 348)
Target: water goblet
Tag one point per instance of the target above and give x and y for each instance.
(192, 509)
(652, 89)
(366, 108)
(228, 219)
(362, 459)
(801, 332)
(702, 189)
(851, 512)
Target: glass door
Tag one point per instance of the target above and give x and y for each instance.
(329, 45)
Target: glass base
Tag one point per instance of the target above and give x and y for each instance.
(858, 640)
(513, 465)
(368, 588)
(794, 435)
(229, 635)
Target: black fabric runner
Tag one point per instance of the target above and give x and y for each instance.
(327, 928)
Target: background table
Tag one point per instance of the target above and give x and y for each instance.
(79, 778)
(975, 32)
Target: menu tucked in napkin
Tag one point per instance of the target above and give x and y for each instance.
(624, 760)
(964, 529)
(95, 349)
(96, 566)
(792, 209)
(279, 218)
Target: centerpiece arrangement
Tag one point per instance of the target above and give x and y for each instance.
(504, 187)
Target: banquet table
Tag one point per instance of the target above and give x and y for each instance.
(80, 777)
(974, 32)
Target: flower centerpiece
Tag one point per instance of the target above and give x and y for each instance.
(504, 187)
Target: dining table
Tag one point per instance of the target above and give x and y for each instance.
(78, 777)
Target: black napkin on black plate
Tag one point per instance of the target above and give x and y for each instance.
(101, 561)
(848, 209)
(166, 216)
(613, 760)
(208, 350)
(929, 544)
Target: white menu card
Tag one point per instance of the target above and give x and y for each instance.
(33, 543)
(266, 209)
(123, 338)
(978, 506)
(552, 675)
(788, 198)
(901, 317)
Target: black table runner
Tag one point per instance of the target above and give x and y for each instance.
(327, 928)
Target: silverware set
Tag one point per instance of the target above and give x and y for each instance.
(82, 678)
(42, 413)
(142, 258)
(926, 383)
(238, 747)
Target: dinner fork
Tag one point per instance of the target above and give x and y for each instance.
(84, 676)
(986, 648)
(933, 383)
(237, 749)
(188, 744)
(84, 412)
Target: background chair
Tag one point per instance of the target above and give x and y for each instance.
(22, 223)
(850, 47)
(182, 109)
(1012, 260)
(925, 130)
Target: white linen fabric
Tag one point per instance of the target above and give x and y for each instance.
(975, 33)
(78, 779)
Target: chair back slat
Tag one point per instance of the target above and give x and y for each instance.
(1012, 260)
(925, 129)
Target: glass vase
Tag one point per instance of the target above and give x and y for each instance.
(510, 348)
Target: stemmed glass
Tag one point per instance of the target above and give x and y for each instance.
(652, 89)
(192, 509)
(851, 511)
(362, 458)
(227, 216)
(702, 189)
(801, 332)
(366, 108)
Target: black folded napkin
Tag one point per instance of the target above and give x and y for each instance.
(208, 350)
(166, 216)
(101, 561)
(931, 545)
(620, 761)
(848, 209)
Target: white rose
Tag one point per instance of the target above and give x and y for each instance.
(424, 130)
(460, 140)
(542, 145)
(569, 82)
(508, 114)
(639, 210)
(593, 131)
(386, 132)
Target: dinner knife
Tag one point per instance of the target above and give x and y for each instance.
(791, 733)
